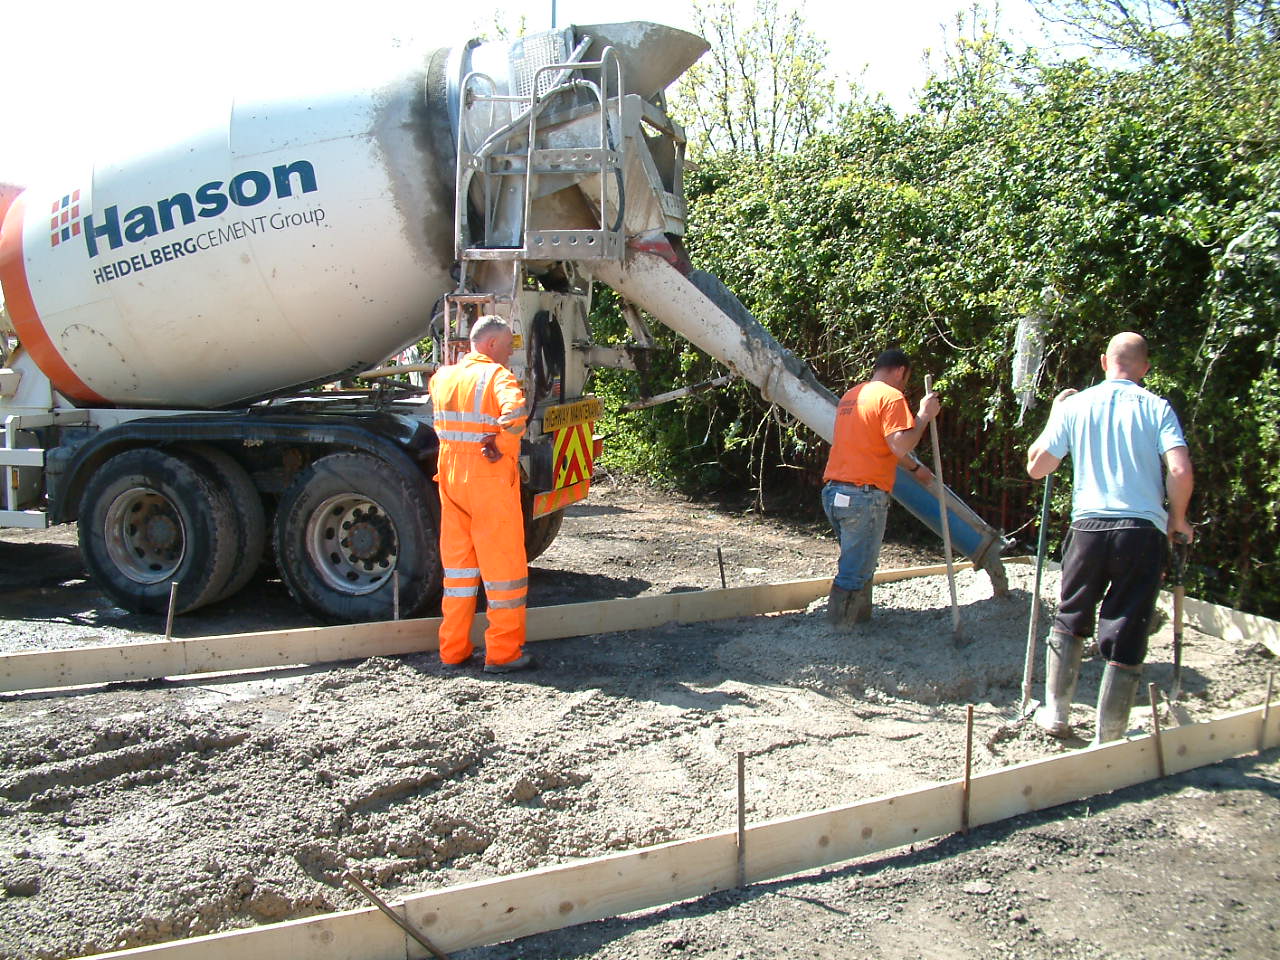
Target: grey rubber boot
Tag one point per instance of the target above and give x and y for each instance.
(837, 603)
(1062, 658)
(1115, 699)
(861, 607)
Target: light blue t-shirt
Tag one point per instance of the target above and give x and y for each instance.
(1117, 434)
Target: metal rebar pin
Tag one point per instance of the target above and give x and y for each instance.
(403, 924)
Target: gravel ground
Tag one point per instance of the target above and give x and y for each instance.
(137, 813)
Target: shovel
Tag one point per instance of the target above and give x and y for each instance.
(1177, 574)
(956, 636)
(1033, 620)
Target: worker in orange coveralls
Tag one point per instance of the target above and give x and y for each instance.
(480, 413)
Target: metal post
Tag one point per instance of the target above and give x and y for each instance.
(404, 925)
(1154, 695)
(742, 820)
(173, 602)
(1266, 713)
(395, 595)
(968, 770)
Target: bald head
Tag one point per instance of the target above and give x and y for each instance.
(1126, 357)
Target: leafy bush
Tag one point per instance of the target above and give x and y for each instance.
(1146, 199)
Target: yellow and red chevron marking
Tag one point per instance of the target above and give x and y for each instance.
(553, 500)
(572, 451)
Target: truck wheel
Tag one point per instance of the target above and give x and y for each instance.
(346, 526)
(540, 532)
(247, 511)
(148, 518)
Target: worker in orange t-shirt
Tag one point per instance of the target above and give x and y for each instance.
(875, 433)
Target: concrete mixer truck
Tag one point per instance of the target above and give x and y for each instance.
(181, 314)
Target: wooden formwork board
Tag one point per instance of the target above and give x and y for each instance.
(1231, 624)
(493, 911)
(47, 669)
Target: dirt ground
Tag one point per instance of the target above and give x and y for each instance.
(136, 813)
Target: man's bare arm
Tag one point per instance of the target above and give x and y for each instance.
(1178, 484)
(1040, 462)
(902, 442)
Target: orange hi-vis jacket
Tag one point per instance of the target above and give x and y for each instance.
(481, 523)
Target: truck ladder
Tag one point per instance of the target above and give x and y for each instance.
(509, 164)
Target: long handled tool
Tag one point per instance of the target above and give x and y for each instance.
(946, 526)
(1181, 547)
(1033, 620)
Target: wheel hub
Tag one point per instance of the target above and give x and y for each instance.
(144, 535)
(352, 543)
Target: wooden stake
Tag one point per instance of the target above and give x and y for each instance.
(720, 558)
(968, 770)
(173, 603)
(742, 819)
(946, 521)
(1153, 694)
(1266, 713)
(404, 925)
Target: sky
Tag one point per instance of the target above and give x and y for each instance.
(78, 75)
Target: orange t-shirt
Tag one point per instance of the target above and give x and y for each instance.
(866, 415)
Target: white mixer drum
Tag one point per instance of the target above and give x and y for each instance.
(287, 241)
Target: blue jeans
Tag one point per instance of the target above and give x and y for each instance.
(858, 521)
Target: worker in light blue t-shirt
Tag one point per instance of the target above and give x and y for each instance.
(1128, 458)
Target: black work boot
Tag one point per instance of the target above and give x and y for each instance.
(1061, 671)
(1115, 699)
(522, 662)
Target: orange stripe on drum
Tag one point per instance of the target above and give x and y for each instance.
(26, 319)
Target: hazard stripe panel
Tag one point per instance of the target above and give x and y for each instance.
(573, 454)
(553, 500)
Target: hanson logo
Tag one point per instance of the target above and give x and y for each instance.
(64, 219)
(245, 189)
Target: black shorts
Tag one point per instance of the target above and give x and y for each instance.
(1119, 561)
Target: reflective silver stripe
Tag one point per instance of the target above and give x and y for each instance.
(506, 584)
(461, 591)
(461, 572)
(506, 604)
(456, 416)
(514, 428)
(460, 436)
(481, 384)
(514, 414)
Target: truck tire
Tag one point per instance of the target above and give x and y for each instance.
(540, 532)
(347, 524)
(247, 511)
(148, 518)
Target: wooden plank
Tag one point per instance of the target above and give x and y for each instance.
(149, 660)
(363, 934)
(492, 911)
(241, 651)
(1232, 625)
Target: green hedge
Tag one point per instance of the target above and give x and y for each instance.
(1145, 200)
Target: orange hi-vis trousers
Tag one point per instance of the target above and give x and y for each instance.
(481, 523)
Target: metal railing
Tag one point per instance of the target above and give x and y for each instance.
(499, 159)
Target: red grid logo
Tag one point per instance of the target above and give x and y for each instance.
(64, 219)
